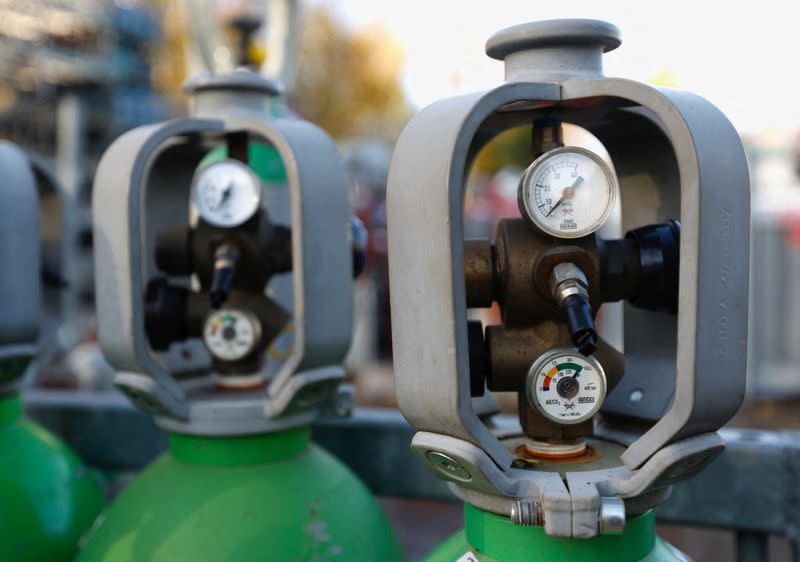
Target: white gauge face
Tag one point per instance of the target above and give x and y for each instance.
(565, 386)
(231, 334)
(568, 192)
(226, 193)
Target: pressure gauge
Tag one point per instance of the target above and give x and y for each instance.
(230, 334)
(226, 193)
(565, 386)
(567, 192)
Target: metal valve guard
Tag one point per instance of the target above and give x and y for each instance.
(142, 184)
(676, 155)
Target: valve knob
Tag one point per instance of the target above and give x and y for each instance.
(246, 25)
(557, 50)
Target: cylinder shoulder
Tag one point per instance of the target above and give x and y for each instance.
(307, 505)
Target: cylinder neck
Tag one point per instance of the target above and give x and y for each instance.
(553, 64)
(498, 538)
(241, 90)
(10, 409)
(241, 450)
(554, 50)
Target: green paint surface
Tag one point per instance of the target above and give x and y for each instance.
(266, 498)
(492, 538)
(13, 367)
(262, 158)
(239, 451)
(47, 498)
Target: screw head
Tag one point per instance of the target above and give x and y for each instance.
(448, 467)
(636, 395)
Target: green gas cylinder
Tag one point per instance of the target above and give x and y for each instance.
(487, 537)
(269, 497)
(272, 497)
(47, 498)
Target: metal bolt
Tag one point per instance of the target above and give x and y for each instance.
(448, 466)
(567, 273)
(636, 395)
(612, 516)
(527, 513)
(344, 401)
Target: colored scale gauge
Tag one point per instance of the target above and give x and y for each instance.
(231, 335)
(568, 192)
(565, 386)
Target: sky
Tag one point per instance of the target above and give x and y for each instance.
(742, 56)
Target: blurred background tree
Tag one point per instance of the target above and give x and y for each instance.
(349, 82)
(510, 148)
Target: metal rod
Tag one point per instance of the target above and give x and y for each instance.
(752, 546)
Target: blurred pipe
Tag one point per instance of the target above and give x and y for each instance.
(70, 159)
(202, 29)
(282, 26)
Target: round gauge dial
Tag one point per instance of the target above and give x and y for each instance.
(226, 193)
(567, 192)
(565, 386)
(231, 335)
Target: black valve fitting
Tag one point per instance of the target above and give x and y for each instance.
(643, 267)
(165, 313)
(570, 290)
(278, 255)
(174, 251)
(225, 259)
(479, 359)
(581, 323)
(659, 261)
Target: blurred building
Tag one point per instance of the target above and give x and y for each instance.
(93, 49)
(74, 75)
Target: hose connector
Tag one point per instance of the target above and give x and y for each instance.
(570, 290)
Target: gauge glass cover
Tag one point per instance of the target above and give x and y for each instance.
(568, 192)
(226, 193)
(231, 335)
(566, 386)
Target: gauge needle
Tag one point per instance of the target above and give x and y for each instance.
(226, 194)
(566, 194)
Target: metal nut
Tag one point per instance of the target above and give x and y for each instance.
(564, 272)
(567, 289)
(526, 513)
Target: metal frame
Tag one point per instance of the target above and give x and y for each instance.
(694, 165)
(20, 290)
(149, 170)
